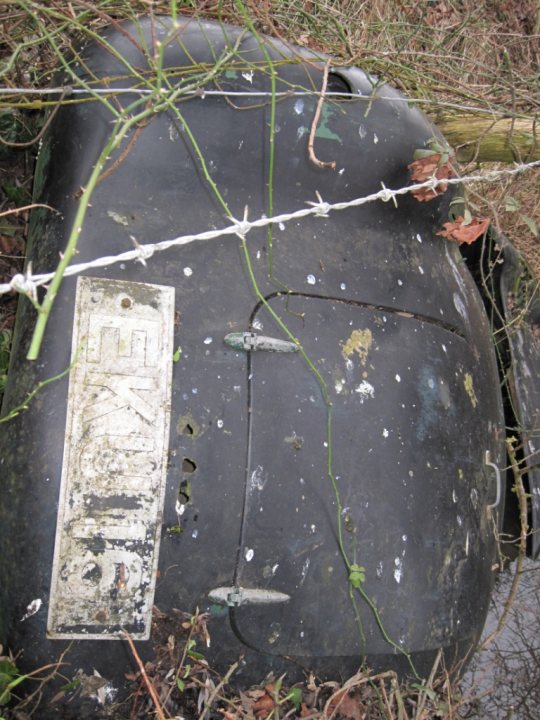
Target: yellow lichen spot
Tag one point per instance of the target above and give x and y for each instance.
(469, 389)
(359, 342)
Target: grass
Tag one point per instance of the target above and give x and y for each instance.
(482, 57)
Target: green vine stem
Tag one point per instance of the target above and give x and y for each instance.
(18, 409)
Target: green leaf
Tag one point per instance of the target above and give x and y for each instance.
(71, 685)
(357, 575)
(432, 695)
(531, 224)
(180, 684)
(193, 655)
(15, 193)
(7, 229)
(177, 354)
(422, 153)
(295, 696)
(511, 204)
(7, 670)
(467, 217)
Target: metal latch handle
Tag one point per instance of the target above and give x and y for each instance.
(497, 479)
(251, 341)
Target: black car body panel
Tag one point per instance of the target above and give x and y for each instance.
(261, 500)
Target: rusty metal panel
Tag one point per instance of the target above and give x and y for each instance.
(114, 468)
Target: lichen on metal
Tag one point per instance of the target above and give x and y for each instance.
(114, 467)
(360, 342)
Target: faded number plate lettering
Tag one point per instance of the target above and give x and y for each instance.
(114, 469)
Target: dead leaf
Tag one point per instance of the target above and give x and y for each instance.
(424, 169)
(346, 706)
(458, 232)
(227, 715)
(308, 712)
(263, 707)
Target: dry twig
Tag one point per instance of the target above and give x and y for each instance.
(311, 152)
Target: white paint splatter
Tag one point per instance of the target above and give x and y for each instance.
(420, 270)
(248, 76)
(257, 480)
(311, 280)
(343, 286)
(32, 608)
(362, 132)
(220, 424)
(385, 433)
(339, 386)
(195, 534)
(188, 272)
(375, 139)
(398, 378)
(365, 390)
(398, 570)
(208, 340)
(299, 106)
(460, 307)
(257, 325)
(305, 568)
(419, 237)
(248, 554)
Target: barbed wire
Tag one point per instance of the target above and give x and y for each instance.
(342, 95)
(27, 283)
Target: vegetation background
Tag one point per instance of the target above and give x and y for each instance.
(472, 65)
